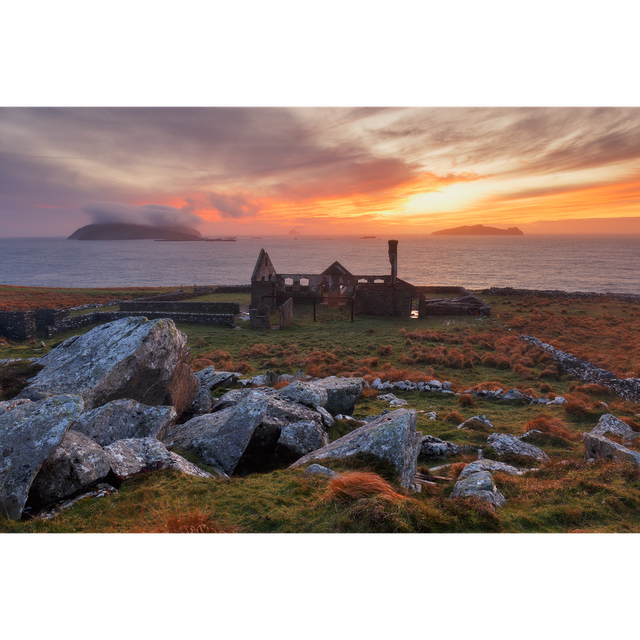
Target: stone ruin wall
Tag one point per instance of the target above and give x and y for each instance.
(18, 325)
(187, 307)
(286, 313)
(564, 295)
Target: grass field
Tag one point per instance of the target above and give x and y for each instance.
(568, 494)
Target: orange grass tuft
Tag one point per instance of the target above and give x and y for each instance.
(354, 485)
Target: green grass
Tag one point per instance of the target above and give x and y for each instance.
(568, 494)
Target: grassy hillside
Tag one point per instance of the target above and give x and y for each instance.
(568, 494)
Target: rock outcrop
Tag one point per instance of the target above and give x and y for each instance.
(299, 438)
(342, 393)
(309, 394)
(600, 447)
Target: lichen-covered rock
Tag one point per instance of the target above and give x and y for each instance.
(287, 411)
(504, 444)
(479, 485)
(122, 419)
(432, 447)
(342, 393)
(327, 418)
(133, 456)
(491, 465)
(391, 438)
(29, 434)
(299, 438)
(221, 438)
(513, 394)
(211, 379)
(477, 422)
(136, 358)
(601, 447)
(7, 405)
(232, 398)
(77, 464)
(319, 470)
(613, 425)
(311, 395)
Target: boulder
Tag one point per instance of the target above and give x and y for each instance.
(393, 400)
(288, 412)
(145, 360)
(221, 438)
(391, 438)
(613, 425)
(491, 465)
(327, 418)
(513, 394)
(342, 393)
(29, 433)
(504, 444)
(122, 419)
(231, 399)
(432, 447)
(299, 438)
(133, 456)
(311, 395)
(600, 447)
(319, 470)
(476, 422)
(77, 464)
(479, 485)
(211, 379)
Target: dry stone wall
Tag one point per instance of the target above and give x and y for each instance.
(564, 295)
(18, 325)
(185, 307)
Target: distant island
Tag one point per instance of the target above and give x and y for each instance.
(369, 238)
(294, 232)
(478, 230)
(122, 231)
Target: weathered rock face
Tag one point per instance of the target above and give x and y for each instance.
(145, 360)
(601, 447)
(319, 470)
(121, 419)
(7, 405)
(391, 438)
(613, 425)
(211, 379)
(29, 434)
(288, 412)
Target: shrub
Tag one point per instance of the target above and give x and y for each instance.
(385, 350)
(404, 359)
(489, 360)
(545, 388)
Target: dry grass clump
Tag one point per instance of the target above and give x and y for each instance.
(190, 521)
(385, 350)
(591, 389)
(354, 485)
(466, 400)
(578, 405)
(551, 426)
(453, 418)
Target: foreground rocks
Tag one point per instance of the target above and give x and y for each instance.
(479, 484)
(134, 358)
(507, 444)
(598, 446)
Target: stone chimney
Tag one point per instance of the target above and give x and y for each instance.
(393, 259)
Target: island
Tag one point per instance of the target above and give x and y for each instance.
(478, 230)
(123, 231)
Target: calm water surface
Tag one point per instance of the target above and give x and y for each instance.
(569, 263)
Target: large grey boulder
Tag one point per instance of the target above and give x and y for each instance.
(491, 465)
(288, 412)
(390, 438)
(29, 434)
(505, 444)
(220, 438)
(432, 447)
(133, 456)
(136, 358)
(121, 419)
(600, 447)
(342, 393)
(77, 464)
(211, 379)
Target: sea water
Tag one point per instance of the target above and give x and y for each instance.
(569, 263)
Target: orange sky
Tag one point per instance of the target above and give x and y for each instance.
(324, 171)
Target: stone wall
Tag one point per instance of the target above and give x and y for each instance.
(48, 317)
(383, 299)
(563, 295)
(18, 325)
(260, 321)
(286, 313)
(76, 322)
(587, 372)
(187, 307)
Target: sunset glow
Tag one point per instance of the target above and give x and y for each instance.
(262, 171)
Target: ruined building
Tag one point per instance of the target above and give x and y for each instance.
(376, 295)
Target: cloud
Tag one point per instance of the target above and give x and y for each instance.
(151, 214)
(233, 206)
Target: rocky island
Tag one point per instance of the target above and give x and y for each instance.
(478, 230)
(123, 231)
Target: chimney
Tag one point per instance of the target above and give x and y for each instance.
(393, 259)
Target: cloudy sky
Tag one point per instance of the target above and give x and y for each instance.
(262, 171)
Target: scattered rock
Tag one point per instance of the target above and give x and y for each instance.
(613, 425)
(342, 393)
(211, 379)
(432, 447)
(318, 469)
(99, 491)
(491, 465)
(392, 400)
(299, 438)
(476, 422)
(600, 447)
(327, 418)
(311, 395)
(513, 394)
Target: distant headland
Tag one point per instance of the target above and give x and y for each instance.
(122, 231)
(478, 230)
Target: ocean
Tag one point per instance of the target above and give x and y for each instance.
(569, 263)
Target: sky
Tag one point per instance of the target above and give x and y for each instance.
(238, 171)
